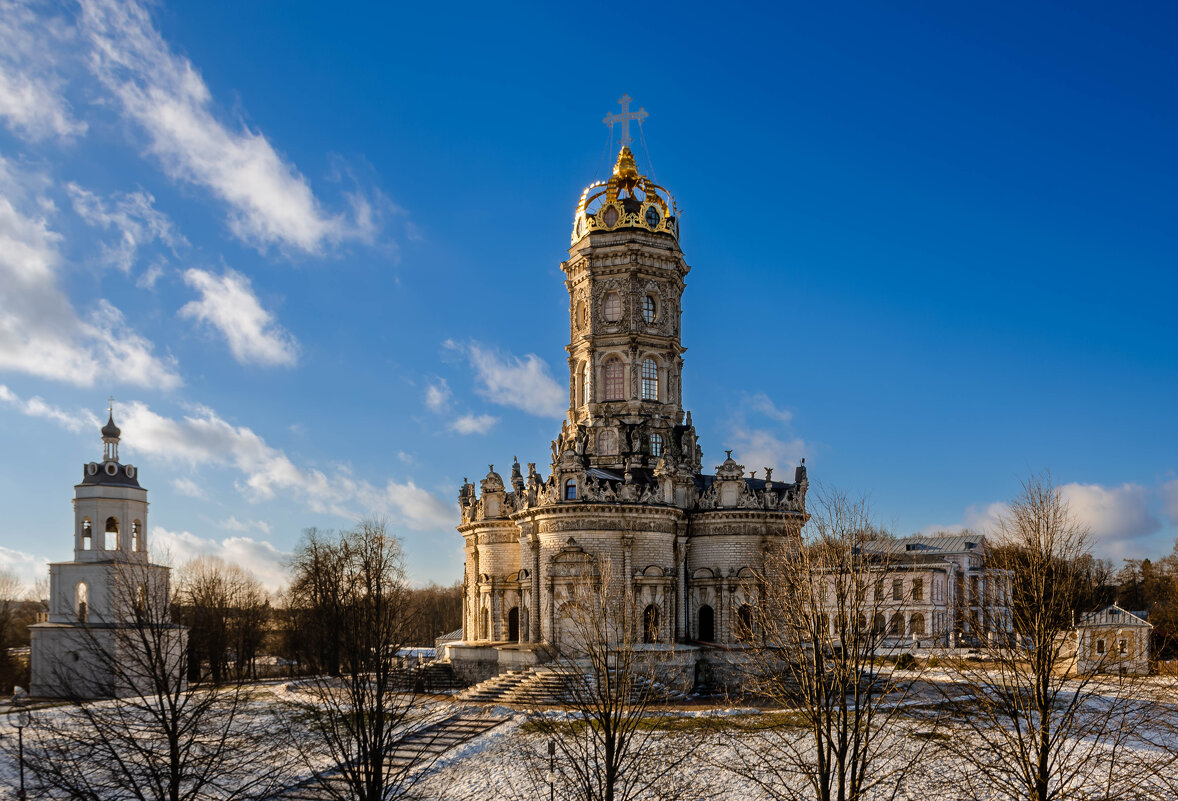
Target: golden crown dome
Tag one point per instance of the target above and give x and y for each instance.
(627, 200)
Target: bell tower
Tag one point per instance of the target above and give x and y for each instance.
(625, 277)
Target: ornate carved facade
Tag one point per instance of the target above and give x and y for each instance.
(625, 483)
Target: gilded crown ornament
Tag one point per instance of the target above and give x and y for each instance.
(627, 200)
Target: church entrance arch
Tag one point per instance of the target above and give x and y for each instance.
(707, 624)
(513, 624)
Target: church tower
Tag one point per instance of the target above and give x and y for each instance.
(106, 588)
(625, 278)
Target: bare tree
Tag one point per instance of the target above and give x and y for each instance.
(11, 589)
(613, 672)
(314, 601)
(161, 736)
(823, 650)
(1029, 726)
(350, 729)
(225, 609)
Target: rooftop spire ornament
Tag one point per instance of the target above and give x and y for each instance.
(624, 117)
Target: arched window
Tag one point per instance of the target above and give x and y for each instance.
(112, 534)
(744, 622)
(141, 600)
(513, 624)
(607, 442)
(916, 624)
(81, 598)
(656, 444)
(650, 380)
(580, 315)
(613, 307)
(570, 489)
(650, 624)
(614, 383)
(136, 542)
(877, 625)
(707, 624)
(896, 627)
(87, 535)
(649, 309)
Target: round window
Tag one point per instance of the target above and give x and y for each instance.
(649, 309)
(652, 217)
(610, 216)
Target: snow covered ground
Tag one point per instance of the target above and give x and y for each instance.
(493, 766)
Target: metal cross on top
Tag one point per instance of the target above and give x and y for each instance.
(624, 117)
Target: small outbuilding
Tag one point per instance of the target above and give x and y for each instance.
(1113, 640)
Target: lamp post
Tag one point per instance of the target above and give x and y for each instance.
(552, 770)
(23, 718)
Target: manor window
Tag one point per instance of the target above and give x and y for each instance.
(570, 490)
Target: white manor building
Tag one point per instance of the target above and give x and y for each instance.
(939, 591)
(98, 596)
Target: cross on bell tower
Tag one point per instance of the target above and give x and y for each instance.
(624, 117)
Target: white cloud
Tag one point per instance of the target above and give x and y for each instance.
(1169, 493)
(758, 446)
(261, 558)
(1112, 513)
(233, 524)
(1119, 518)
(473, 424)
(228, 304)
(37, 407)
(32, 102)
(511, 381)
(186, 486)
(27, 567)
(270, 201)
(40, 332)
(437, 395)
(134, 216)
(203, 438)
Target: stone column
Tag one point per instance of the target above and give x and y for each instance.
(627, 562)
(549, 633)
(534, 606)
(682, 626)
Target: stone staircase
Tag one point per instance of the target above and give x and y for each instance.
(420, 748)
(493, 690)
(546, 686)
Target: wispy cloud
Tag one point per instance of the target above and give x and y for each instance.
(473, 423)
(133, 216)
(40, 332)
(261, 558)
(437, 395)
(203, 438)
(32, 99)
(269, 200)
(186, 486)
(231, 523)
(522, 383)
(760, 437)
(229, 305)
(37, 407)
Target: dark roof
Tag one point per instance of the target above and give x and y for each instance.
(102, 478)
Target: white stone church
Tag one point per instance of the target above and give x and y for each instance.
(108, 589)
(626, 482)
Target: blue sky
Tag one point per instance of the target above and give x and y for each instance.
(313, 251)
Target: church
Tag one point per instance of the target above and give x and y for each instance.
(109, 599)
(626, 484)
